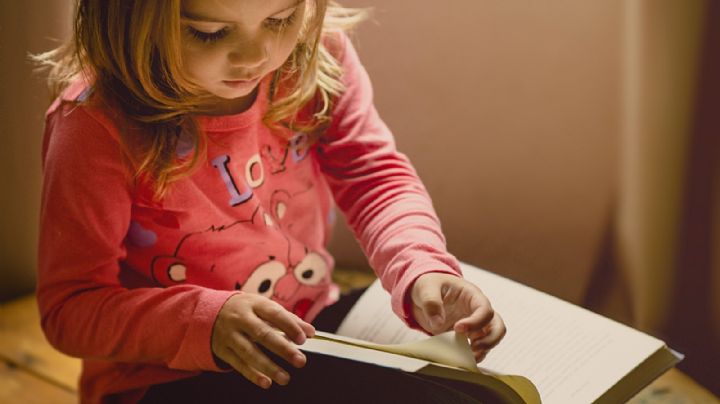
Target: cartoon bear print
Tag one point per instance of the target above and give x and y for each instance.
(295, 280)
(295, 285)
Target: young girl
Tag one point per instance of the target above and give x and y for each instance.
(190, 165)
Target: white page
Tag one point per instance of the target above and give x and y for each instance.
(371, 356)
(571, 354)
(449, 348)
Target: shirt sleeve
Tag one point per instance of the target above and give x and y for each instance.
(85, 216)
(379, 191)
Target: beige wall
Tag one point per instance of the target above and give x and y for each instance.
(694, 322)
(563, 142)
(25, 26)
(510, 112)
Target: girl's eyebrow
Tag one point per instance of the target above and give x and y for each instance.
(202, 18)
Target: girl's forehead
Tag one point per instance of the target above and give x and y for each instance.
(234, 10)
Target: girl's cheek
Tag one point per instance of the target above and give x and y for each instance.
(286, 46)
(197, 61)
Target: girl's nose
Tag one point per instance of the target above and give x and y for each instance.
(250, 54)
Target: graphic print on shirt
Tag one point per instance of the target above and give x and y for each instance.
(253, 177)
(276, 266)
(239, 181)
(296, 286)
(297, 149)
(240, 186)
(167, 270)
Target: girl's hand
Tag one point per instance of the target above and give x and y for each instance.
(246, 319)
(442, 302)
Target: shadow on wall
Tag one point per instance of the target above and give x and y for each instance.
(695, 324)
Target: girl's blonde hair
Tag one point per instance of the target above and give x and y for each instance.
(129, 50)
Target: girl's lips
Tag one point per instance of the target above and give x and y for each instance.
(241, 83)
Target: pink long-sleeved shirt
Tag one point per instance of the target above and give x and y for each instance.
(133, 286)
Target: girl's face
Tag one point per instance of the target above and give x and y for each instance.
(230, 45)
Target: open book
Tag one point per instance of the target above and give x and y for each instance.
(554, 351)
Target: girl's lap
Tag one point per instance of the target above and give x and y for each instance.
(323, 380)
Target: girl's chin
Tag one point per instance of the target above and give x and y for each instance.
(225, 104)
(234, 94)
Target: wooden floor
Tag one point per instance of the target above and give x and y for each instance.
(31, 371)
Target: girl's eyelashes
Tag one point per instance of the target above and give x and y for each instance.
(275, 24)
(280, 23)
(207, 37)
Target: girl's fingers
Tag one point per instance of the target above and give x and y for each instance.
(428, 298)
(476, 321)
(308, 328)
(483, 344)
(259, 331)
(257, 378)
(480, 355)
(295, 328)
(474, 302)
(474, 335)
(250, 356)
(496, 331)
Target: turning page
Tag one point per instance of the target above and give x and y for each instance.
(569, 353)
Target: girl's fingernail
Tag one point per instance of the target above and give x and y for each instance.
(282, 378)
(265, 382)
(299, 359)
(436, 321)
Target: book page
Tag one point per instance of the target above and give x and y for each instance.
(449, 349)
(569, 353)
(446, 356)
(375, 357)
